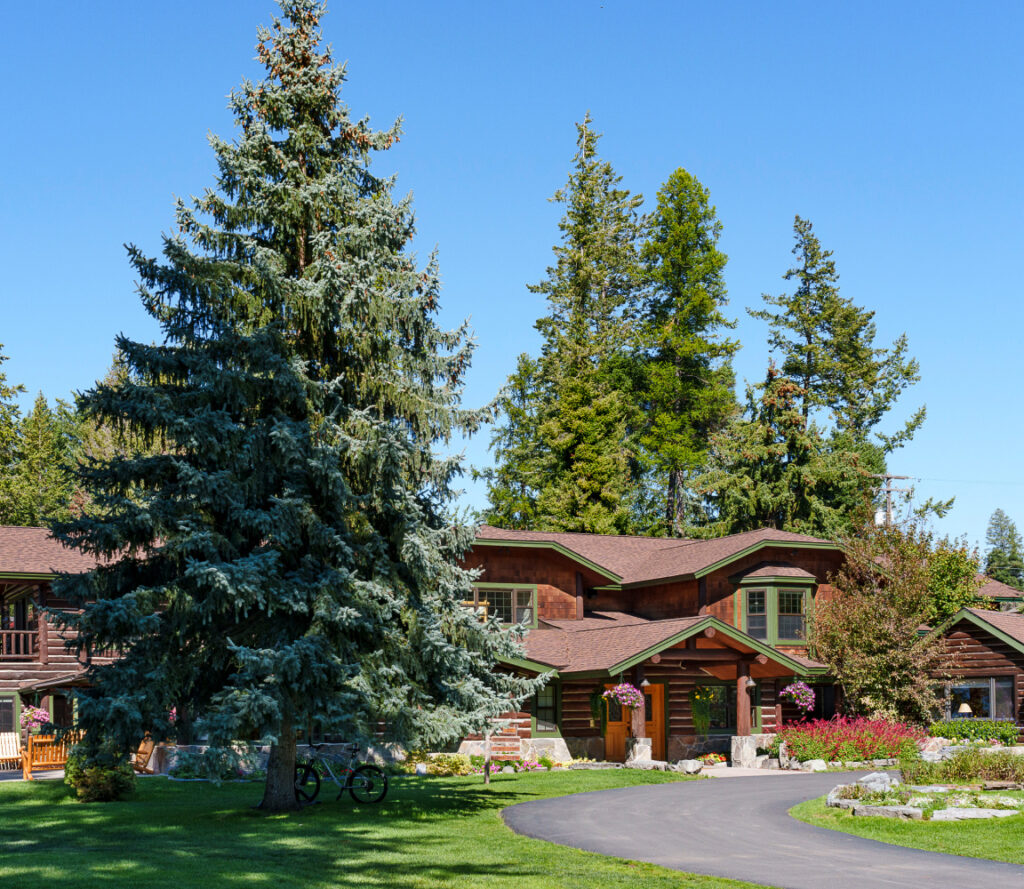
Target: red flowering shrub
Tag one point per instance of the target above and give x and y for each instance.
(849, 740)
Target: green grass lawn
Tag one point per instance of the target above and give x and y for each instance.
(428, 832)
(998, 838)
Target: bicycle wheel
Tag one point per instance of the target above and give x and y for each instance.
(307, 782)
(368, 784)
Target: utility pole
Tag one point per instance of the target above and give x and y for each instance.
(889, 491)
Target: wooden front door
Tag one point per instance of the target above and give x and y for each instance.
(616, 731)
(654, 718)
(619, 724)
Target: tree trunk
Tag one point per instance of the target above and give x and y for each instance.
(279, 791)
(487, 757)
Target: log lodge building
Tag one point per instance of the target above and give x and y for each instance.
(723, 619)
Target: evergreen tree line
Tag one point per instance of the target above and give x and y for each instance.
(41, 450)
(627, 419)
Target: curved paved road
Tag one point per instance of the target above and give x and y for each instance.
(741, 829)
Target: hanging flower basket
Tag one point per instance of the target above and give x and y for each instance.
(33, 718)
(627, 695)
(801, 694)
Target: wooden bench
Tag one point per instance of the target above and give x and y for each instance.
(10, 750)
(45, 752)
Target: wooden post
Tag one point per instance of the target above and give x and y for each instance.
(579, 595)
(778, 707)
(42, 631)
(702, 596)
(742, 700)
(639, 717)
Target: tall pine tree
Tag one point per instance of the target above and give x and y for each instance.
(10, 416)
(41, 481)
(1004, 557)
(577, 422)
(828, 348)
(773, 469)
(688, 378)
(290, 561)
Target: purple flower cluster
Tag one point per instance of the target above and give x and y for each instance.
(801, 694)
(33, 717)
(627, 695)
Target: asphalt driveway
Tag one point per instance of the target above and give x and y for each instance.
(741, 829)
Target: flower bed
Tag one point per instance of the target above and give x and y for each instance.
(845, 740)
(964, 767)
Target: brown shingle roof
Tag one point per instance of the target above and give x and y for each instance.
(1009, 622)
(600, 641)
(34, 551)
(777, 569)
(647, 559)
(995, 589)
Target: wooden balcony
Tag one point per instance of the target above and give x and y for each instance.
(19, 645)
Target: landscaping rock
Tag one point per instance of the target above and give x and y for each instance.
(905, 813)
(508, 770)
(771, 763)
(815, 765)
(835, 801)
(648, 765)
(878, 782)
(421, 768)
(1003, 785)
(930, 788)
(956, 814)
(689, 766)
(596, 765)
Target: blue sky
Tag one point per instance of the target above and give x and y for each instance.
(896, 128)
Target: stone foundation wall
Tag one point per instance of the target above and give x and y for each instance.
(692, 746)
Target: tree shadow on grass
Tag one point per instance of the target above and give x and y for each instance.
(174, 835)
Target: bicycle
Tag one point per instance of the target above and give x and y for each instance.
(365, 783)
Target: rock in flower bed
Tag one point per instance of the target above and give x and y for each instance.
(881, 795)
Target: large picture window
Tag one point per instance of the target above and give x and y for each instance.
(510, 604)
(984, 698)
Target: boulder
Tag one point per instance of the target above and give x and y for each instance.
(648, 765)
(421, 768)
(956, 814)
(835, 801)
(771, 763)
(689, 766)
(1002, 785)
(508, 770)
(878, 782)
(815, 765)
(905, 813)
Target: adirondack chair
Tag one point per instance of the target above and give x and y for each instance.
(45, 752)
(142, 756)
(10, 750)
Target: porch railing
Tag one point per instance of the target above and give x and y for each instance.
(19, 645)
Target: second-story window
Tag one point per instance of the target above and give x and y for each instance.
(776, 614)
(510, 604)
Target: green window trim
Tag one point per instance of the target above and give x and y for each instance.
(770, 604)
(481, 589)
(554, 708)
(16, 699)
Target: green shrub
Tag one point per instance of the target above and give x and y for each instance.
(975, 730)
(965, 767)
(447, 765)
(101, 779)
(546, 761)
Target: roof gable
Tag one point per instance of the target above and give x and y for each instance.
(639, 561)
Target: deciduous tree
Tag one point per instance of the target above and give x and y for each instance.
(868, 632)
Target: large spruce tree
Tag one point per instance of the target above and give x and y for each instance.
(289, 561)
(10, 415)
(687, 388)
(565, 455)
(827, 346)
